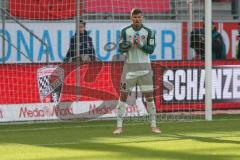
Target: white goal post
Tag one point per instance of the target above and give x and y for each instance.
(208, 60)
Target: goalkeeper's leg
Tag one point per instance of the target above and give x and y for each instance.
(121, 109)
(146, 86)
(151, 108)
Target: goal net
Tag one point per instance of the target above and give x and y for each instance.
(50, 69)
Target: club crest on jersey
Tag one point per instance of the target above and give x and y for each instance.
(50, 81)
(143, 37)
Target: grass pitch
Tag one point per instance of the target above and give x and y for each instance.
(199, 140)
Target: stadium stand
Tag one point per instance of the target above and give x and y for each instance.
(120, 6)
(169, 9)
(47, 10)
(222, 10)
(154, 8)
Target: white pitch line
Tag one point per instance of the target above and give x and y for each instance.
(56, 144)
(52, 128)
(50, 144)
(104, 125)
(63, 127)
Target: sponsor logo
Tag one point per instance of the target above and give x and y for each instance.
(152, 42)
(50, 82)
(189, 84)
(25, 112)
(94, 110)
(103, 110)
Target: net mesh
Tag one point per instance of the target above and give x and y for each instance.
(44, 78)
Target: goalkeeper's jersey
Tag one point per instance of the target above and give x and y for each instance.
(145, 36)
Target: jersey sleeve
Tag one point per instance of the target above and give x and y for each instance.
(151, 44)
(122, 39)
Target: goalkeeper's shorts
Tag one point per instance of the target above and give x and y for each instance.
(132, 78)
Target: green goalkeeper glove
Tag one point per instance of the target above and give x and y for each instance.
(124, 46)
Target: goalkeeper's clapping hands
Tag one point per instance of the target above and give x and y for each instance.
(137, 43)
(124, 46)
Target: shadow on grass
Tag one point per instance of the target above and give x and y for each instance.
(100, 139)
(209, 139)
(130, 152)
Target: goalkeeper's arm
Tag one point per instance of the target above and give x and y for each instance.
(147, 48)
(124, 46)
(150, 46)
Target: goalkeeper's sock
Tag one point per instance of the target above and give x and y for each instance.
(152, 113)
(121, 108)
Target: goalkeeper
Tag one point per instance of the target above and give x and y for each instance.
(136, 43)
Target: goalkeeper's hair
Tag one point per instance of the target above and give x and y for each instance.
(136, 11)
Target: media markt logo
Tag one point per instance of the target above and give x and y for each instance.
(50, 82)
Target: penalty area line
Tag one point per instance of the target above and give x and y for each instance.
(66, 127)
(111, 125)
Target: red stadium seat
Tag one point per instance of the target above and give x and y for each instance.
(43, 9)
(66, 9)
(125, 6)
